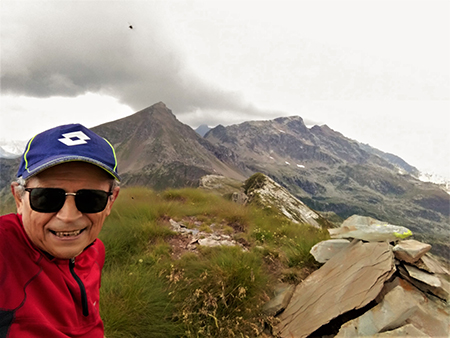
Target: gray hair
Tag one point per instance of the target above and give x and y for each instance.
(20, 187)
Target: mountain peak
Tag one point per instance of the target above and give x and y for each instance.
(294, 123)
(202, 129)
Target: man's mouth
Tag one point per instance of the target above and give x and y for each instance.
(67, 233)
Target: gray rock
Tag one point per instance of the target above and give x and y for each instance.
(181, 228)
(410, 251)
(392, 312)
(211, 242)
(283, 294)
(239, 198)
(324, 250)
(349, 280)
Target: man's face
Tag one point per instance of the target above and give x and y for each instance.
(55, 233)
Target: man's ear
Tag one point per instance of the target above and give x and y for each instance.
(113, 197)
(115, 193)
(18, 196)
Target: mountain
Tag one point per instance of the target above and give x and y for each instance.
(327, 171)
(155, 149)
(202, 129)
(332, 173)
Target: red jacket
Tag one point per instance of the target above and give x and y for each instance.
(42, 296)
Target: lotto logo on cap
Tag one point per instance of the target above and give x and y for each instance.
(72, 142)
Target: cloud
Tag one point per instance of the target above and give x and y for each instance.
(71, 48)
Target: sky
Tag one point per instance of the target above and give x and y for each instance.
(376, 71)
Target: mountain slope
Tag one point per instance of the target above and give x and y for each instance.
(155, 149)
(330, 172)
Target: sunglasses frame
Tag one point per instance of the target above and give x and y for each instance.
(76, 195)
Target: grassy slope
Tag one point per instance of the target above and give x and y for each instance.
(212, 292)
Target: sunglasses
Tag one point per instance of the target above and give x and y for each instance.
(48, 200)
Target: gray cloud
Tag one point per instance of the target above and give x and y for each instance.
(70, 48)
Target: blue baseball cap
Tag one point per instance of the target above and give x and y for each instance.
(67, 143)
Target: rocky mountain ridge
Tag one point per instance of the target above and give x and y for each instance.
(331, 173)
(325, 170)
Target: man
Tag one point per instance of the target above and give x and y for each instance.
(50, 257)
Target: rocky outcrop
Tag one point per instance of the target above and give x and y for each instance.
(371, 287)
(265, 192)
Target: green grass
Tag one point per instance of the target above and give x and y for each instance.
(220, 293)
(212, 292)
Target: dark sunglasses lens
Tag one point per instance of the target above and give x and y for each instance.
(47, 199)
(91, 201)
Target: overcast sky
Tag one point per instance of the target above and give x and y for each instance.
(376, 71)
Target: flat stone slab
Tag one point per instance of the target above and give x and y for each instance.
(427, 282)
(349, 280)
(410, 250)
(430, 264)
(325, 250)
(369, 229)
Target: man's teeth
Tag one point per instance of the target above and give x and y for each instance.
(67, 233)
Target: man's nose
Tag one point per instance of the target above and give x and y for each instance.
(69, 211)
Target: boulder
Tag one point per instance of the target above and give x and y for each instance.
(392, 312)
(369, 229)
(325, 250)
(349, 280)
(410, 251)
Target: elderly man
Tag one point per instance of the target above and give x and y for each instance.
(50, 257)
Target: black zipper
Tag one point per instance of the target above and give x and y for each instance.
(84, 303)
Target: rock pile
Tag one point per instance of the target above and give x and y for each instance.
(373, 283)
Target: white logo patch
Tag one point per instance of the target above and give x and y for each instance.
(75, 138)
